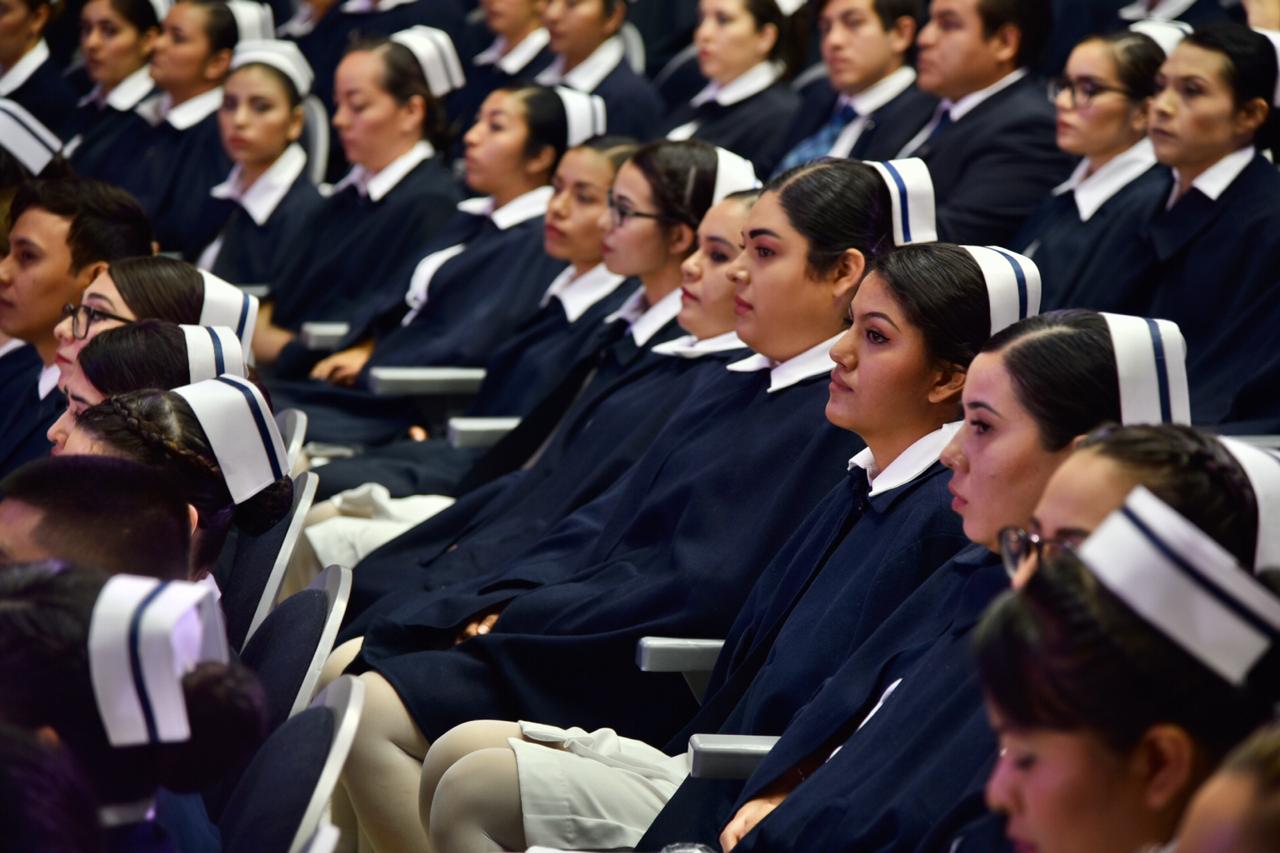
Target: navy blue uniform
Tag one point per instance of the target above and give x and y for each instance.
(251, 253)
(755, 128)
(24, 417)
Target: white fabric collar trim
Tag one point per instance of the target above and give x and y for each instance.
(689, 346)
(590, 72)
(24, 68)
(1095, 190)
(1165, 10)
(127, 94)
(262, 198)
(378, 185)
(880, 93)
(577, 294)
(961, 108)
(187, 114)
(365, 7)
(909, 464)
(814, 361)
(48, 380)
(1214, 180)
(126, 814)
(518, 57)
(520, 209)
(660, 314)
(750, 82)
(302, 22)
(12, 346)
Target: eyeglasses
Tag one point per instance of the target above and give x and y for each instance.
(1017, 545)
(84, 316)
(1082, 91)
(621, 212)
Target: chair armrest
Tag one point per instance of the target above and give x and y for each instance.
(425, 381)
(262, 291)
(479, 432)
(674, 654)
(727, 756)
(323, 337)
(1269, 442)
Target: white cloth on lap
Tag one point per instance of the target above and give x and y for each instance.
(368, 518)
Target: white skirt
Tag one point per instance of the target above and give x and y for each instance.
(368, 518)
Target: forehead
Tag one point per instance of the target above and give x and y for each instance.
(18, 522)
(360, 68)
(988, 381)
(1189, 60)
(631, 183)
(724, 219)
(1085, 489)
(874, 296)
(503, 102)
(1093, 58)
(964, 9)
(769, 213)
(255, 79)
(583, 165)
(37, 225)
(835, 8)
(187, 15)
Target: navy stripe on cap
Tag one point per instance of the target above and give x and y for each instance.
(33, 131)
(135, 661)
(902, 196)
(263, 433)
(1020, 276)
(219, 362)
(244, 317)
(1162, 370)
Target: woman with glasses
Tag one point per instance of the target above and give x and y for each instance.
(1090, 226)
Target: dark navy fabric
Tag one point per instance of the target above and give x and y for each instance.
(185, 820)
(280, 651)
(142, 837)
(109, 142)
(24, 417)
(259, 254)
(755, 128)
(481, 81)
(666, 27)
(672, 548)
(634, 107)
(49, 98)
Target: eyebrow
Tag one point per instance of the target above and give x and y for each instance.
(763, 232)
(724, 241)
(98, 297)
(880, 315)
(978, 404)
(78, 399)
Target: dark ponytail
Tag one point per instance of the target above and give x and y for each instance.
(135, 357)
(159, 288)
(792, 45)
(220, 25)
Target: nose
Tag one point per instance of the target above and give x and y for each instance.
(737, 273)
(1064, 101)
(999, 788)
(703, 32)
(691, 269)
(927, 36)
(952, 455)
(340, 117)
(844, 353)
(57, 434)
(472, 137)
(63, 331)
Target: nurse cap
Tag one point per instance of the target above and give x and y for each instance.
(1187, 586)
(911, 193)
(283, 56)
(227, 305)
(1151, 362)
(436, 54)
(22, 135)
(211, 352)
(1262, 467)
(144, 636)
(790, 7)
(1013, 284)
(253, 20)
(161, 8)
(734, 173)
(585, 115)
(242, 432)
(1167, 34)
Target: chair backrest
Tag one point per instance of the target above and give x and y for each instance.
(293, 429)
(283, 795)
(315, 137)
(811, 76)
(633, 47)
(259, 565)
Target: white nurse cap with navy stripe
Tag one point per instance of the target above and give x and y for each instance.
(253, 20)
(790, 7)
(1151, 361)
(734, 173)
(22, 135)
(1262, 467)
(585, 115)
(1013, 284)
(436, 55)
(1167, 34)
(161, 8)
(227, 305)
(281, 55)
(242, 432)
(211, 352)
(911, 193)
(1186, 585)
(144, 636)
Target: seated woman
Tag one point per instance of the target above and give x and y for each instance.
(1237, 806)
(857, 556)
(1085, 235)
(65, 670)
(589, 57)
(747, 49)
(519, 52)
(117, 38)
(28, 74)
(275, 201)
(391, 204)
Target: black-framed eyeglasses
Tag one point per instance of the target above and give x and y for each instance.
(1082, 91)
(1018, 544)
(84, 316)
(621, 212)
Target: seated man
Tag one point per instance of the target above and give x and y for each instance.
(110, 514)
(991, 145)
(872, 107)
(62, 234)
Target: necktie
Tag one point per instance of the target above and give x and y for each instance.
(942, 123)
(817, 145)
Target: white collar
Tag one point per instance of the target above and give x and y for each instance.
(186, 114)
(881, 92)
(909, 464)
(689, 346)
(961, 108)
(590, 72)
(302, 22)
(1093, 191)
(750, 82)
(814, 361)
(1214, 180)
(23, 68)
(522, 208)
(125, 814)
(1165, 10)
(376, 186)
(365, 7)
(577, 293)
(127, 94)
(48, 380)
(262, 198)
(11, 346)
(646, 320)
(515, 59)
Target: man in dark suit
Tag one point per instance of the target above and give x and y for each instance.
(871, 107)
(991, 145)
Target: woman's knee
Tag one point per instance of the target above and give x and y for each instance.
(478, 798)
(453, 746)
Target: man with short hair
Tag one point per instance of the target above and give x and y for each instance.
(95, 511)
(62, 234)
(991, 145)
(871, 106)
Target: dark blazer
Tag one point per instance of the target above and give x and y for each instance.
(253, 253)
(993, 168)
(49, 98)
(755, 127)
(634, 107)
(24, 418)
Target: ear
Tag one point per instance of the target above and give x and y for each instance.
(1076, 442)
(294, 133)
(48, 736)
(1138, 121)
(948, 386)
(680, 239)
(848, 274)
(1251, 116)
(766, 38)
(540, 165)
(902, 35)
(218, 65)
(1166, 761)
(614, 22)
(412, 113)
(41, 15)
(1005, 44)
(87, 273)
(193, 518)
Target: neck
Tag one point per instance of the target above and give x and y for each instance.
(573, 60)
(887, 448)
(1097, 161)
(517, 35)
(985, 84)
(13, 60)
(506, 195)
(374, 167)
(251, 172)
(580, 268)
(859, 88)
(661, 283)
(182, 95)
(1187, 174)
(47, 347)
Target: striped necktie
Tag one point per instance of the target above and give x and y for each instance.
(819, 144)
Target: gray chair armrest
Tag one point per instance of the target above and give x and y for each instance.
(1269, 442)
(675, 654)
(425, 381)
(262, 291)
(323, 337)
(479, 432)
(727, 756)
